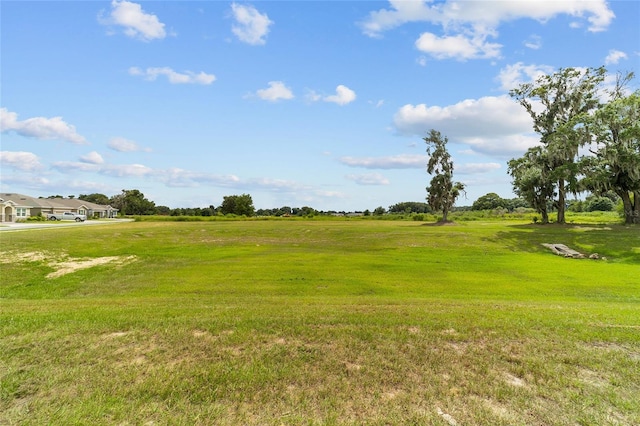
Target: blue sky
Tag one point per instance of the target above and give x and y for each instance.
(298, 103)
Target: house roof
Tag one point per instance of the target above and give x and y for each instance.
(22, 200)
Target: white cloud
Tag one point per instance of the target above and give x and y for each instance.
(534, 42)
(92, 158)
(176, 177)
(369, 179)
(70, 166)
(475, 168)
(251, 26)
(40, 127)
(312, 96)
(343, 96)
(174, 77)
(492, 125)
(136, 22)
(276, 91)
(20, 160)
(459, 46)
(401, 161)
(614, 57)
(126, 170)
(125, 145)
(467, 24)
(512, 76)
(482, 16)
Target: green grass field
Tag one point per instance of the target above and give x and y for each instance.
(319, 322)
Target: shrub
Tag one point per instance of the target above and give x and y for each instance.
(602, 204)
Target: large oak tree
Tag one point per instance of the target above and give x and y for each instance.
(558, 104)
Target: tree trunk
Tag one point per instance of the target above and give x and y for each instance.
(636, 208)
(561, 201)
(445, 212)
(545, 216)
(628, 206)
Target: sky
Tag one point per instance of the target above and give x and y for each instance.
(297, 103)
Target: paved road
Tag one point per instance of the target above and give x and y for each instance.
(8, 227)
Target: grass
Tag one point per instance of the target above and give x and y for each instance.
(321, 322)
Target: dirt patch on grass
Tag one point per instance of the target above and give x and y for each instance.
(62, 263)
(514, 380)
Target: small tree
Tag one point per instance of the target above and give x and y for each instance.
(132, 202)
(95, 198)
(241, 205)
(490, 201)
(442, 190)
(531, 180)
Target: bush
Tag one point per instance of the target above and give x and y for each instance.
(602, 204)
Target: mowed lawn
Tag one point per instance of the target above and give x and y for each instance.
(319, 322)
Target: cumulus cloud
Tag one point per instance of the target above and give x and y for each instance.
(250, 25)
(125, 145)
(136, 22)
(401, 161)
(92, 158)
(276, 91)
(368, 179)
(343, 96)
(452, 14)
(187, 77)
(40, 127)
(20, 160)
(512, 76)
(614, 57)
(459, 47)
(491, 125)
(467, 24)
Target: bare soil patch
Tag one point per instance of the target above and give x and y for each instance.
(62, 263)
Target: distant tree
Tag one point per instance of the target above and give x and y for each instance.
(241, 205)
(490, 201)
(283, 211)
(95, 198)
(567, 97)
(514, 203)
(442, 190)
(163, 210)
(409, 207)
(379, 211)
(132, 202)
(304, 211)
(596, 203)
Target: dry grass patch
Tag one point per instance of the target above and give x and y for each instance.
(62, 263)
